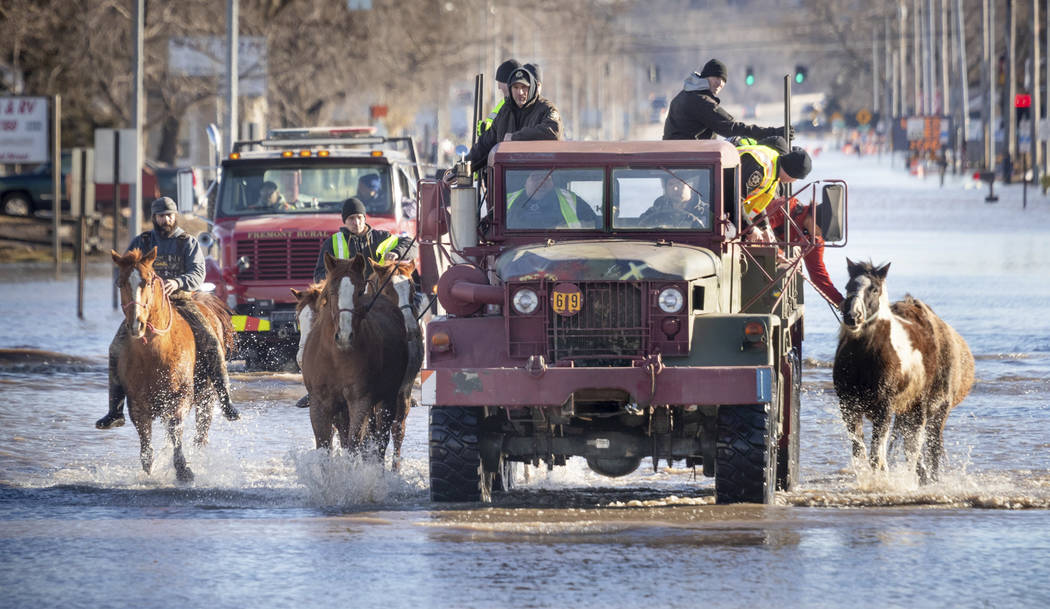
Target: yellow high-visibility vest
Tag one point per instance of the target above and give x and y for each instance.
(758, 198)
(566, 201)
(341, 248)
(486, 123)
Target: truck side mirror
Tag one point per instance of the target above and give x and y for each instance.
(184, 191)
(831, 213)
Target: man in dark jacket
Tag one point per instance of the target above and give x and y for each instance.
(526, 116)
(695, 113)
(180, 264)
(356, 236)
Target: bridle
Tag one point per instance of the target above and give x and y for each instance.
(149, 326)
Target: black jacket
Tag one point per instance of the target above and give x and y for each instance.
(695, 114)
(366, 243)
(538, 120)
(179, 257)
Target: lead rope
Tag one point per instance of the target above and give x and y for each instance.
(150, 326)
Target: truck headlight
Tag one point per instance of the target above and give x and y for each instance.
(670, 300)
(525, 301)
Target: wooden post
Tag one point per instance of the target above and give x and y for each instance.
(56, 178)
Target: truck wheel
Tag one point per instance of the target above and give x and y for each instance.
(788, 451)
(745, 465)
(17, 204)
(455, 461)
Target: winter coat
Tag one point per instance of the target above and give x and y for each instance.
(537, 120)
(179, 257)
(695, 114)
(366, 243)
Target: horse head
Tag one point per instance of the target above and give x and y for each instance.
(866, 296)
(344, 286)
(308, 303)
(393, 280)
(139, 287)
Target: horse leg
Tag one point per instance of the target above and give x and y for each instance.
(357, 413)
(397, 431)
(144, 426)
(933, 448)
(854, 427)
(182, 471)
(210, 364)
(203, 410)
(912, 425)
(322, 423)
(880, 426)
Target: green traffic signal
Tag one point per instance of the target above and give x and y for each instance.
(800, 74)
(749, 79)
(799, 77)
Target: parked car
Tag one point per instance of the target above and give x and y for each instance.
(26, 194)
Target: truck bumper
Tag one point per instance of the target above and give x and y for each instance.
(521, 387)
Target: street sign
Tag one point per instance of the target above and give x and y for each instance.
(206, 56)
(104, 142)
(24, 129)
(863, 116)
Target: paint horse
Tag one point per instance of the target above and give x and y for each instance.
(897, 360)
(353, 358)
(156, 363)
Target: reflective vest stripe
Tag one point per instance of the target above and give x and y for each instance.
(759, 198)
(339, 246)
(486, 123)
(385, 246)
(566, 201)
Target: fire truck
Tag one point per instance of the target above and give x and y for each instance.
(278, 199)
(608, 327)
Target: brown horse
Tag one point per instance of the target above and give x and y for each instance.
(354, 357)
(156, 363)
(901, 361)
(394, 281)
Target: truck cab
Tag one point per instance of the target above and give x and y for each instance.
(600, 300)
(278, 199)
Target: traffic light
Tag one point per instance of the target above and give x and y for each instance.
(749, 77)
(800, 74)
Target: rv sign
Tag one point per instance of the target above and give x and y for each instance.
(23, 130)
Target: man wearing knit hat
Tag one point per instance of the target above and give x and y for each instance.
(356, 236)
(695, 113)
(503, 73)
(763, 168)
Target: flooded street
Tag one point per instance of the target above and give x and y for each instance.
(269, 521)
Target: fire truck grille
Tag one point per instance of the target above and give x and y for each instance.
(609, 330)
(279, 259)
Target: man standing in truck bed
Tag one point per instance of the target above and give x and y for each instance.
(695, 113)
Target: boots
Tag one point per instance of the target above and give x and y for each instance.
(304, 402)
(115, 416)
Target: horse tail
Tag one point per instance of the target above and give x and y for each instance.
(216, 308)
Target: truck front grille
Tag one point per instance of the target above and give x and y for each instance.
(609, 330)
(279, 259)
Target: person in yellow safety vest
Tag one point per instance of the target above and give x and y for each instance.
(503, 73)
(544, 206)
(763, 168)
(356, 236)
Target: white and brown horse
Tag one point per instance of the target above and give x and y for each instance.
(897, 361)
(353, 357)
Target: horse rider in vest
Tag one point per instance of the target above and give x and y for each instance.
(540, 205)
(180, 264)
(357, 237)
(695, 113)
(503, 73)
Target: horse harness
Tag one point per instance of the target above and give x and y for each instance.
(150, 326)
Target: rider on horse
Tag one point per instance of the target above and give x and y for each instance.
(180, 264)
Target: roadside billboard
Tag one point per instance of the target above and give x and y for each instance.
(24, 130)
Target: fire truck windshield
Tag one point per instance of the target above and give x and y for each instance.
(264, 189)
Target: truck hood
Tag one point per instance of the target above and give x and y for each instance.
(605, 261)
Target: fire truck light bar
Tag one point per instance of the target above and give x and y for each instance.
(321, 132)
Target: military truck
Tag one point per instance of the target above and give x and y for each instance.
(268, 243)
(612, 326)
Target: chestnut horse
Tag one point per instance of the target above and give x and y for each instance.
(394, 281)
(156, 363)
(354, 357)
(897, 360)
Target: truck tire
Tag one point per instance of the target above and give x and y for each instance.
(788, 451)
(455, 461)
(745, 464)
(17, 204)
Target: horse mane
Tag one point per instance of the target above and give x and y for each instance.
(211, 302)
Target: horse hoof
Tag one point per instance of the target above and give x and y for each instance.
(231, 413)
(184, 475)
(110, 421)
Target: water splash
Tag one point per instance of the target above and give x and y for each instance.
(337, 479)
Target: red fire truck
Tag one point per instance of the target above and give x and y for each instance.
(278, 199)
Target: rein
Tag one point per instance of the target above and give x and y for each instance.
(150, 326)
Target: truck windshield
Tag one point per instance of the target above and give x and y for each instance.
(261, 190)
(544, 199)
(662, 198)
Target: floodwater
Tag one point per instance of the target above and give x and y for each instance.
(271, 522)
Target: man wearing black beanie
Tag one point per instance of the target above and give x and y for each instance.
(503, 73)
(695, 113)
(356, 236)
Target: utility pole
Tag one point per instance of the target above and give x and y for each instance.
(916, 57)
(945, 61)
(1010, 114)
(993, 64)
(1037, 97)
(138, 105)
(232, 48)
(927, 45)
(874, 71)
(902, 14)
(964, 70)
